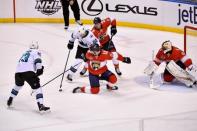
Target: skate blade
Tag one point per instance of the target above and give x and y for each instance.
(44, 112)
(10, 107)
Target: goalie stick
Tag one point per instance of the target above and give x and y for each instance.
(151, 82)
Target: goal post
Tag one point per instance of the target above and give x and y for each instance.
(190, 42)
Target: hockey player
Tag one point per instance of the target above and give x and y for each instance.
(100, 31)
(85, 38)
(29, 68)
(97, 60)
(178, 65)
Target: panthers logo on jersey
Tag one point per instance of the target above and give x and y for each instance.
(95, 65)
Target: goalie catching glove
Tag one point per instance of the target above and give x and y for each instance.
(151, 68)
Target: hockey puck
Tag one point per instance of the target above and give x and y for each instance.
(60, 90)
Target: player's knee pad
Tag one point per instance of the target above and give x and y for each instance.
(112, 79)
(168, 77)
(95, 90)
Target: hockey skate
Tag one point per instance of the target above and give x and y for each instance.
(83, 71)
(43, 108)
(79, 22)
(77, 90)
(65, 27)
(112, 87)
(118, 71)
(69, 77)
(9, 102)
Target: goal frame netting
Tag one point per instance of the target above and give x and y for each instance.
(185, 36)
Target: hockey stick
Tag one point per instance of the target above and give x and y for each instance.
(151, 83)
(60, 89)
(110, 41)
(56, 77)
(59, 75)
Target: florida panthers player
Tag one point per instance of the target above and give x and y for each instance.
(85, 38)
(29, 68)
(178, 65)
(97, 60)
(100, 31)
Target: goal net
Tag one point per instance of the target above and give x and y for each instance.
(190, 42)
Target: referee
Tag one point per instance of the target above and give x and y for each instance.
(76, 11)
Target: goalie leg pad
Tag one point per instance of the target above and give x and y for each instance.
(192, 70)
(180, 74)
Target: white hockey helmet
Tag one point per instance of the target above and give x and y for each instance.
(34, 45)
(167, 46)
(82, 31)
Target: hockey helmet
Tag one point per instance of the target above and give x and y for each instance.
(167, 46)
(95, 49)
(34, 45)
(82, 31)
(97, 20)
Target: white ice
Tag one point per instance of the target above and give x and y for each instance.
(134, 107)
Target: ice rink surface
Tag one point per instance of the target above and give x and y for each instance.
(134, 107)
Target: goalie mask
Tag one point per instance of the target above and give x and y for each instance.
(34, 45)
(95, 49)
(167, 46)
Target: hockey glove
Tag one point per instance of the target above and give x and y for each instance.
(40, 71)
(127, 60)
(113, 30)
(70, 45)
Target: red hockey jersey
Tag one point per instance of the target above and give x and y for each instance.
(97, 64)
(102, 33)
(175, 55)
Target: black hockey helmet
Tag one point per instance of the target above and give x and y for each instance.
(97, 20)
(94, 48)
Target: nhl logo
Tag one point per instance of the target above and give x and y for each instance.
(47, 7)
